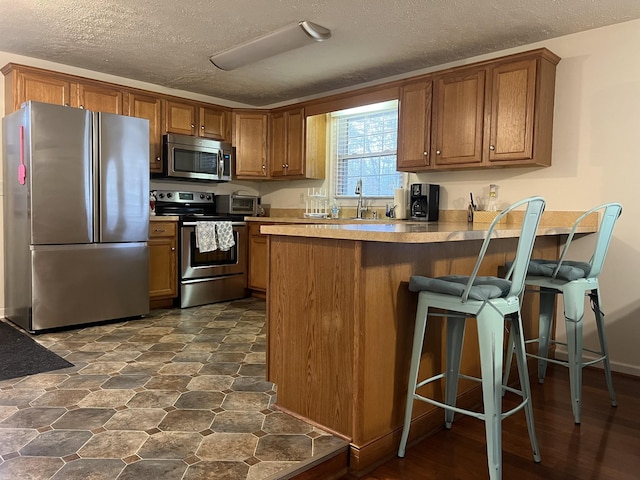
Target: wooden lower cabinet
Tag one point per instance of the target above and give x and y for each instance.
(257, 260)
(341, 312)
(163, 260)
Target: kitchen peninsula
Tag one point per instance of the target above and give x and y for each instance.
(340, 320)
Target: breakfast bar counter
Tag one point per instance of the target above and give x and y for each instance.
(340, 321)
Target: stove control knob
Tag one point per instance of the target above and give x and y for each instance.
(169, 195)
(208, 197)
(161, 195)
(202, 195)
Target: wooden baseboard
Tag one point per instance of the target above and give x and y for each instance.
(161, 303)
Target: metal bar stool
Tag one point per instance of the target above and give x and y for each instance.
(574, 280)
(490, 300)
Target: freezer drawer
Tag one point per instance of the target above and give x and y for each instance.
(78, 284)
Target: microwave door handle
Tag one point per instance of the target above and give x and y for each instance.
(220, 164)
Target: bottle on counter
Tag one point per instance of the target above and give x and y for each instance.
(335, 210)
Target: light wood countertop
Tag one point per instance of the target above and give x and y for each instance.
(408, 232)
(163, 218)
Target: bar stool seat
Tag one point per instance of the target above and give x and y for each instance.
(490, 300)
(574, 280)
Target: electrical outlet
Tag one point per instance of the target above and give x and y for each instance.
(302, 199)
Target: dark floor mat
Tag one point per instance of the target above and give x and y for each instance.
(21, 355)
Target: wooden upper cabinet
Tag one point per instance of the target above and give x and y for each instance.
(277, 144)
(496, 114)
(149, 107)
(23, 84)
(459, 118)
(286, 143)
(521, 103)
(414, 126)
(100, 98)
(214, 123)
(295, 124)
(251, 144)
(180, 118)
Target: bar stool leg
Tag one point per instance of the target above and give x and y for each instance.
(574, 313)
(516, 338)
(490, 339)
(547, 305)
(595, 304)
(455, 337)
(416, 354)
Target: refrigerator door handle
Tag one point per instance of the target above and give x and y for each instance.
(95, 174)
(22, 168)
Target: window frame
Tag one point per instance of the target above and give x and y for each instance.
(375, 108)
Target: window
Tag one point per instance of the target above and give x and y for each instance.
(365, 145)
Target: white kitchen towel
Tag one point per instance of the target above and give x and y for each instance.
(206, 236)
(224, 235)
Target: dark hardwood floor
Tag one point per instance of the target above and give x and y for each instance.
(606, 445)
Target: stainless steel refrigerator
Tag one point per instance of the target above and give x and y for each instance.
(76, 213)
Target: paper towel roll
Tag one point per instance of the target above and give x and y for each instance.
(400, 201)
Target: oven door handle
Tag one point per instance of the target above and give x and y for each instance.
(233, 224)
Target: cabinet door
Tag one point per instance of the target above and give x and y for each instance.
(163, 272)
(99, 98)
(213, 123)
(180, 118)
(41, 88)
(295, 160)
(149, 107)
(277, 144)
(414, 126)
(257, 260)
(251, 144)
(459, 118)
(512, 111)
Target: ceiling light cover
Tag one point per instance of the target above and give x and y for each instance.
(282, 40)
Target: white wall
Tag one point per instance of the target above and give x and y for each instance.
(596, 128)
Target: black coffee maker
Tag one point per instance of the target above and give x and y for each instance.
(424, 202)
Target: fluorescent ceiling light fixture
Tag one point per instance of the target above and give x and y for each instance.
(282, 40)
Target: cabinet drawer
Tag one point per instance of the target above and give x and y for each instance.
(163, 229)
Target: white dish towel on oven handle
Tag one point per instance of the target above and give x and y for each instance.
(211, 236)
(224, 235)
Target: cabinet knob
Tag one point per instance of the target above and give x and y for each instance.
(437, 152)
(193, 126)
(286, 165)
(425, 153)
(264, 167)
(173, 249)
(492, 147)
(157, 159)
(202, 127)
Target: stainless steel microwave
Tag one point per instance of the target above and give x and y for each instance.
(193, 158)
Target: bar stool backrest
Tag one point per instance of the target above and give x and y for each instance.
(611, 213)
(518, 270)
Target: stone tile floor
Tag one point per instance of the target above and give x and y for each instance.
(179, 394)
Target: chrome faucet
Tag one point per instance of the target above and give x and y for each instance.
(360, 207)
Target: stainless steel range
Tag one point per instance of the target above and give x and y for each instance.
(205, 276)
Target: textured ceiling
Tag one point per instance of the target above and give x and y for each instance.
(169, 43)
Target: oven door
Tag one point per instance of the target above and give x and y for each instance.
(196, 265)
